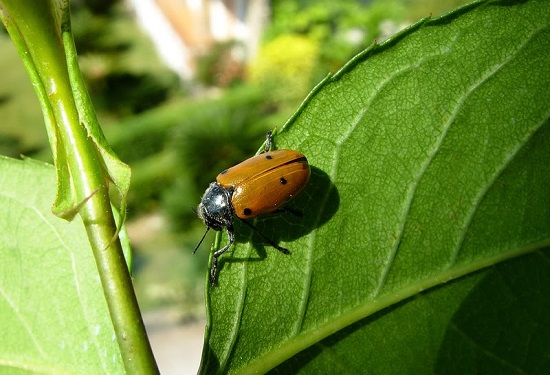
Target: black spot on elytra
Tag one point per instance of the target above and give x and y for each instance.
(269, 157)
(283, 181)
(247, 211)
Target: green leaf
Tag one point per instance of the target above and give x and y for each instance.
(52, 308)
(429, 157)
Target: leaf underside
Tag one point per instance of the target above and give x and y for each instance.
(53, 313)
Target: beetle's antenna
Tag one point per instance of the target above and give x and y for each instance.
(270, 242)
(202, 239)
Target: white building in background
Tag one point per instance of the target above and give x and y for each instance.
(181, 30)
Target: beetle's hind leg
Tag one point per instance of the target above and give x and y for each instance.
(286, 210)
(270, 242)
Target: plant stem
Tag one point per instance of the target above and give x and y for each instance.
(117, 285)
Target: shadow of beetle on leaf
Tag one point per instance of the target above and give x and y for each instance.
(309, 210)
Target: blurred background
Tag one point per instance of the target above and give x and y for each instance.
(183, 89)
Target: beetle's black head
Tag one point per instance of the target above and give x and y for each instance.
(215, 209)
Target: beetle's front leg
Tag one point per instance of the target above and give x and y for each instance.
(217, 254)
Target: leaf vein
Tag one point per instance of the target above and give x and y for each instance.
(24, 323)
(484, 350)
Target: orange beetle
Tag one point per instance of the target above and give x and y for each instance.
(257, 186)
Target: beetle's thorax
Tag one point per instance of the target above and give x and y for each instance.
(215, 209)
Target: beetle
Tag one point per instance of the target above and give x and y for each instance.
(259, 185)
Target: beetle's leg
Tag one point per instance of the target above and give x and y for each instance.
(217, 254)
(287, 210)
(271, 243)
(268, 139)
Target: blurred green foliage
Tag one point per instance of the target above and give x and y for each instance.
(118, 61)
(284, 67)
(222, 65)
(22, 129)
